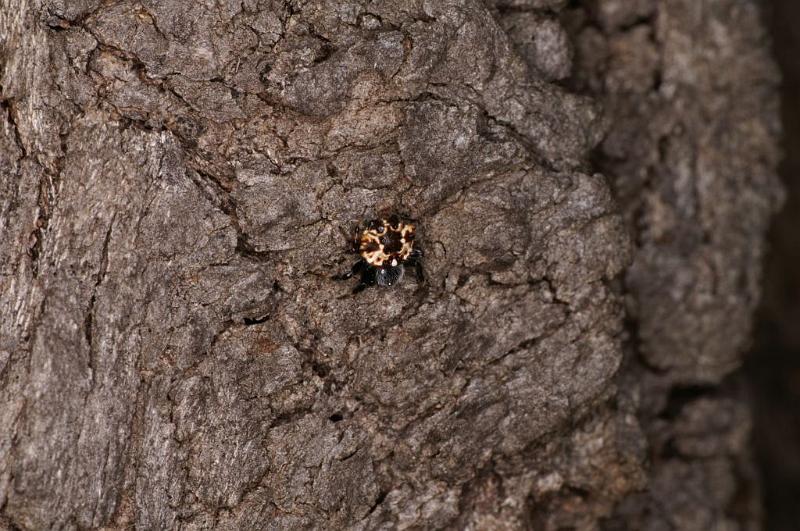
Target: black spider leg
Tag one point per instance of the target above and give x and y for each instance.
(415, 259)
(358, 269)
(367, 278)
(352, 238)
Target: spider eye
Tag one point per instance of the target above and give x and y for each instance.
(381, 230)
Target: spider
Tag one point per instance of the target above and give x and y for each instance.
(385, 246)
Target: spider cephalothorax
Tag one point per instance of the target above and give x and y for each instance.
(385, 246)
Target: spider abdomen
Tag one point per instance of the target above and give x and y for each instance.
(386, 242)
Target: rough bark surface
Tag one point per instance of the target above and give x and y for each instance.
(175, 179)
(773, 364)
(691, 154)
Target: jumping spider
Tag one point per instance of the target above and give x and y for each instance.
(385, 247)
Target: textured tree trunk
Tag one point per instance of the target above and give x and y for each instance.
(591, 183)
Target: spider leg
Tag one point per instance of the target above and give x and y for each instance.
(351, 237)
(358, 268)
(418, 270)
(416, 263)
(415, 259)
(367, 279)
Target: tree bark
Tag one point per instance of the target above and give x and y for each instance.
(591, 182)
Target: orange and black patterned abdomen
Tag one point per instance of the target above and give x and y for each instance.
(386, 242)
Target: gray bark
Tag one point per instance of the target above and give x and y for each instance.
(175, 178)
